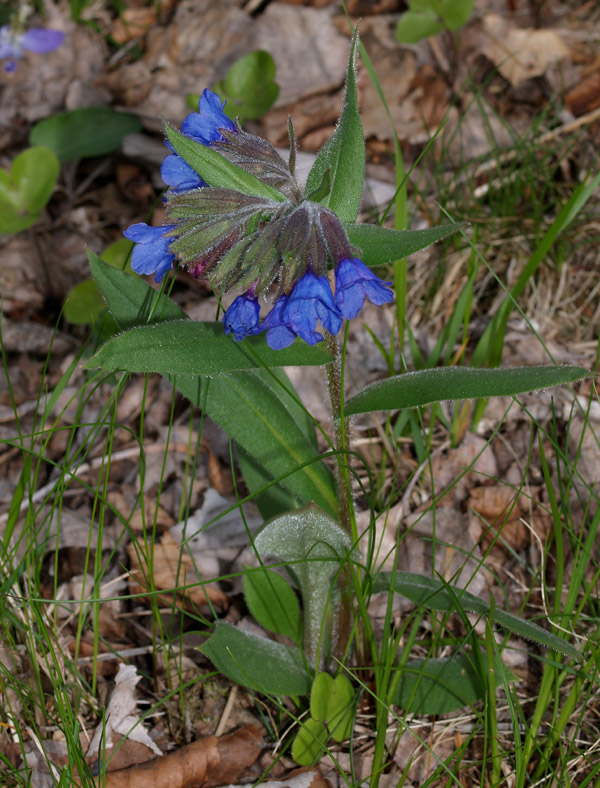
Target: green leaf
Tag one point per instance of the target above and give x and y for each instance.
(272, 602)
(254, 413)
(414, 389)
(413, 26)
(84, 303)
(118, 254)
(249, 86)
(184, 347)
(310, 742)
(256, 662)
(81, 133)
(455, 13)
(331, 701)
(438, 595)
(343, 153)
(216, 170)
(271, 501)
(26, 188)
(131, 301)
(381, 245)
(437, 686)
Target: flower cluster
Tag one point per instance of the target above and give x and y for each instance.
(268, 248)
(13, 43)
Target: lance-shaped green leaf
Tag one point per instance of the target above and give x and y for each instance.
(381, 245)
(438, 595)
(256, 662)
(315, 545)
(343, 153)
(216, 170)
(131, 301)
(256, 412)
(253, 411)
(272, 602)
(455, 383)
(184, 347)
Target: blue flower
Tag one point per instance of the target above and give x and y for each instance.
(205, 125)
(178, 174)
(299, 313)
(13, 44)
(353, 283)
(151, 255)
(241, 319)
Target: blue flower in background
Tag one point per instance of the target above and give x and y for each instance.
(241, 319)
(299, 313)
(203, 126)
(354, 282)
(37, 39)
(151, 255)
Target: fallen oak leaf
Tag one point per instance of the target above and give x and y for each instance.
(206, 763)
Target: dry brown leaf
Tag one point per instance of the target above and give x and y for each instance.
(208, 762)
(509, 515)
(585, 95)
(519, 53)
(173, 568)
(132, 23)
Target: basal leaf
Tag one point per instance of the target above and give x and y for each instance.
(437, 686)
(381, 245)
(414, 389)
(256, 662)
(343, 153)
(272, 602)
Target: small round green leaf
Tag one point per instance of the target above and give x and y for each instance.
(309, 743)
(84, 303)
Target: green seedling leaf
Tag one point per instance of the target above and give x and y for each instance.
(84, 303)
(380, 245)
(437, 686)
(249, 87)
(184, 347)
(315, 544)
(415, 389)
(433, 593)
(272, 602)
(344, 152)
(414, 26)
(331, 701)
(256, 662)
(81, 133)
(216, 170)
(26, 188)
(310, 742)
(455, 13)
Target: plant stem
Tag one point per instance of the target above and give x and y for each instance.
(335, 383)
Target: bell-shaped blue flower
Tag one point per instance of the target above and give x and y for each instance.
(241, 319)
(37, 39)
(299, 313)
(178, 174)
(279, 335)
(204, 126)
(354, 282)
(151, 254)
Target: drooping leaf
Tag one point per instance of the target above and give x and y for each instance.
(81, 133)
(272, 602)
(256, 662)
(414, 389)
(434, 593)
(381, 245)
(186, 347)
(343, 153)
